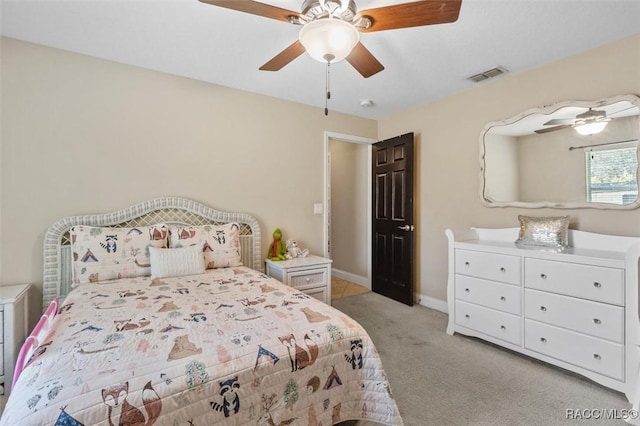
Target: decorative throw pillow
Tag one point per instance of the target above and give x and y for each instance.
(219, 243)
(176, 262)
(551, 231)
(101, 254)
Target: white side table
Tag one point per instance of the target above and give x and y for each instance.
(14, 329)
(311, 275)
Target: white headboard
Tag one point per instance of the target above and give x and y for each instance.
(169, 210)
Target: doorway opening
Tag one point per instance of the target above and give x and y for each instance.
(347, 200)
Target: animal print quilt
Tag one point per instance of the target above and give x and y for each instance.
(228, 347)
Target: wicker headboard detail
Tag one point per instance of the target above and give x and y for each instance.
(169, 210)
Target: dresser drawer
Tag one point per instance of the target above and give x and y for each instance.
(584, 281)
(307, 278)
(584, 351)
(488, 321)
(490, 266)
(597, 319)
(492, 294)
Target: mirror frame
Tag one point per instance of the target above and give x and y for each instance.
(549, 109)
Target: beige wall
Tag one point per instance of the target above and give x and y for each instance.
(72, 127)
(349, 195)
(447, 134)
(82, 135)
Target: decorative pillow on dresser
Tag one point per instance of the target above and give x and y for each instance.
(101, 254)
(220, 243)
(548, 231)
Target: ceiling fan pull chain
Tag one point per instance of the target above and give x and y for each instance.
(327, 89)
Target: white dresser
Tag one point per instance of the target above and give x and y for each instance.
(14, 328)
(577, 309)
(311, 275)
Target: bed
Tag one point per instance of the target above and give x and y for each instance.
(224, 345)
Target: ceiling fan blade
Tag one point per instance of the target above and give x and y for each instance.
(363, 61)
(553, 129)
(255, 8)
(415, 14)
(283, 58)
(557, 121)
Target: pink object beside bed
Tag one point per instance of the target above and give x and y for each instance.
(33, 341)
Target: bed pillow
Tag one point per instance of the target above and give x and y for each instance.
(176, 262)
(550, 231)
(101, 254)
(219, 243)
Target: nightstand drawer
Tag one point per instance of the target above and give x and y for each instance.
(319, 293)
(308, 278)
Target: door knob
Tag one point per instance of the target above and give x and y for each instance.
(406, 227)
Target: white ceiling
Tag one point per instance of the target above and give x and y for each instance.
(225, 47)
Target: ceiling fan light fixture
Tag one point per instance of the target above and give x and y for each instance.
(591, 128)
(329, 40)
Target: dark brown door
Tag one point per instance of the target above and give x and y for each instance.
(393, 226)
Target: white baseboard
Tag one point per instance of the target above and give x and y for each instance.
(433, 303)
(356, 279)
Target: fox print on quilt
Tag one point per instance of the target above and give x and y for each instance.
(227, 347)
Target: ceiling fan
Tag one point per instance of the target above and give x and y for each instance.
(589, 122)
(321, 20)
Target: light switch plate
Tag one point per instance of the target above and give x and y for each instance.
(317, 208)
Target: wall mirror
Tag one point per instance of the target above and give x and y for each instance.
(574, 154)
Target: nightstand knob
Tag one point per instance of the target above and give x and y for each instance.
(503, 270)
(467, 263)
(503, 299)
(597, 321)
(466, 290)
(543, 340)
(543, 276)
(543, 308)
(596, 356)
(503, 328)
(467, 316)
(597, 284)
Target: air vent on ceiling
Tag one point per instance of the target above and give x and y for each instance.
(485, 75)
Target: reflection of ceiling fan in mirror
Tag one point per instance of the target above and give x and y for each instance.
(589, 122)
(331, 28)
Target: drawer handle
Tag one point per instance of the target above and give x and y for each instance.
(543, 276)
(467, 316)
(503, 328)
(503, 270)
(597, 284)
(466, 290)
(467, 263)
(543, 340)
(597, 321)
(502, 298)
(543, 308)
(596, 356)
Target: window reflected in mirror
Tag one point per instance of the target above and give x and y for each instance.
(568, 155)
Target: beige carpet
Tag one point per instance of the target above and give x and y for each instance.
(439, 379)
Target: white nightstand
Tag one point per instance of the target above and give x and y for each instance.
(311, 275)
(14, 328)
